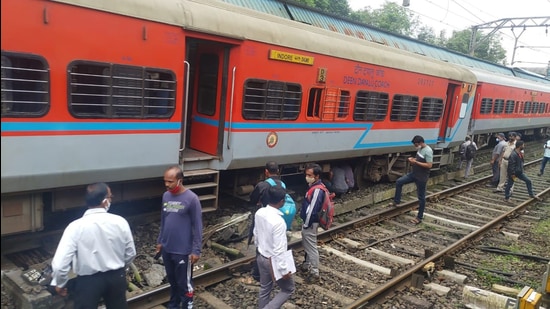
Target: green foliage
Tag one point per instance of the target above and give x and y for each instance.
(396, 19)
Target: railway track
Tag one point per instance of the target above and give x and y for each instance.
(379, 258)
(368, 230)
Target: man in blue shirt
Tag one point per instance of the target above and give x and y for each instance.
(180, 238)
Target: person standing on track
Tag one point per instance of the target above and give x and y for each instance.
(463, 158)
(508, 148)
(515, 171)
(545, 158)
(270, 239)
(98, 246)
(259, 199)
(495, 160)
(310, 217)
(421, 165)
(180, 238)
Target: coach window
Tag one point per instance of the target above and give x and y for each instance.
(25, 85)
(370, 106)
(535, 108)
(404, 108)
(527, 107)
(509, 109)
(271, 100)
(486, 106)
(314, 102)
(499, 106)
(542, 107)
(103, 90)
(431, 109)
(208, 84)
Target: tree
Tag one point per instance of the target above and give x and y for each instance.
(390, 17)
(489, 49)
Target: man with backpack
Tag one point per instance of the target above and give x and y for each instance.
(311, 206)
(260, 198)
(468, 151)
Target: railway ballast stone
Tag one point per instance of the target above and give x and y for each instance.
(29, 296)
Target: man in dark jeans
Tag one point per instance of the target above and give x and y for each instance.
(421, 165)
(515, 171)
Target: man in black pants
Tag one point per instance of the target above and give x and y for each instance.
(98, 247)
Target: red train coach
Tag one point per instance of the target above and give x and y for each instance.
(117, 91)
(506, 103)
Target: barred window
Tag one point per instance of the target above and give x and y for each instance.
(509, 107)
(535, 108)
(370, 106)
(486, 106)
(25, 85)
(271, 100)
(432, 109)
(542, 107)
(527, 107)
(336, 104)
(103, 90)
(498, 108)
(404, 108)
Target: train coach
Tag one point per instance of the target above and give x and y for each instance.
(506, 103)
(117, 91)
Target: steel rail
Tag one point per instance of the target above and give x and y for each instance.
(160, 294)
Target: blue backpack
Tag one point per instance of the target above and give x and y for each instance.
(289, 208)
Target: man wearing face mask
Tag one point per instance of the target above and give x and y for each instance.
(98, 246)
(309, 214)
(515, 171)
(421, 165)
(180, 238)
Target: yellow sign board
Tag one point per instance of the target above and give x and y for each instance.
(290, 57)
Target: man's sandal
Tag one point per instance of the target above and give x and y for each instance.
(416, 221)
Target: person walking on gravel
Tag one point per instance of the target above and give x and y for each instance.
(98, 247)
(545, 158)
(180, 237)
(270, 239)
(421, 165)
(515, 171)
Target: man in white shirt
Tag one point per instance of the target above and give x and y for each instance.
(270, 239)
(545, 158)
(98, 246)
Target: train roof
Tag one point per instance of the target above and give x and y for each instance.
(510, 81)
(301, 13)
(220, 18)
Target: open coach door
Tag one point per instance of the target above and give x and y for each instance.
(206, 93)
(449, 110)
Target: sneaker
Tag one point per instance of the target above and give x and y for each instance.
(539, 174)
(498, 191)
(507, 200)
(305, 267)
(313, 278)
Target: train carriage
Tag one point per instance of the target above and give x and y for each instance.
(117, 91)
(506, 103)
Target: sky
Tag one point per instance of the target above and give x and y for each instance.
(533, 44)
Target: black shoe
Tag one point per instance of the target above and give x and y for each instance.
(539, 174)
(535, 197)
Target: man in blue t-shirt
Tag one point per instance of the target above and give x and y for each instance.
(180, 238)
